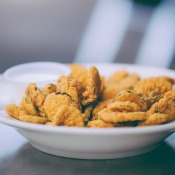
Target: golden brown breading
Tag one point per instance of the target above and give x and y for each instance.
(33, 119)
(151, 87)
(116, 77)
(154, 119)
(100, 106)
(111, 91)
(151, 100)
(49, 88)
(100, 124)
(125, 106)
(14, 111)
(154, 109)
(117, 117)
(54, 101)
(28, 106)
(35, 94)
(79, 72)
(68, 116)
(127, 83)
(93, 88)
(167, 105)
(72, 87)
(131, 96)
(87, 112)
(76, 67)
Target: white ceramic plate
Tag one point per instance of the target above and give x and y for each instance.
(93, 143)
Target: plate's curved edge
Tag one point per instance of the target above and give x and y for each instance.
(5, 119)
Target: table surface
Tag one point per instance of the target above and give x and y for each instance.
(17, 157)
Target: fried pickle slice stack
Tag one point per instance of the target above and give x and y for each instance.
(86, 99)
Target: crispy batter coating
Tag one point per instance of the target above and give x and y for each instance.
(151, 87)
(68, 116)
(154, 109)
(35, 94)
(93, 88)
(54, 101)
(49, 88)
(72, 87)
(80, 73)
(167, 105)
(33, 119)
(111, 91)
(28, 106)
(100, 124)
(14, 111)
(117, 117)
(132, 97)
(154, 119)
(100, 106)
(152, 100)
(125, 106)
(116, 77)
(126, 83)
(87, 112)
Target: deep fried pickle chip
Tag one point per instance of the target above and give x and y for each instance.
(100, 106)
(100, 124)
(116, 77)
(72, 87)
(125, 106)
(166, 105)
(126, 83)
(28, 106)
(117, 117)
(151, 87)
(154, 119)
(32, 119)
(93, 88)
(49, 88)
(54, 101)
(68, 116)
(80, 73)
(35, 94)
(131, 96)
(14, 111)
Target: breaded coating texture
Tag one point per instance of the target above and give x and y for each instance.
(68, 116)
(117, 117)
(127, 83)
(54, 101)
(14, 111)
(100, 124)
(33, 119)
(100, 106)
(28, 106)
(116, 77)
(35, 94)
(132, 97)
(70, 86)
(167, 105)
(154, 119)
(125, 106)
(80, 73)
(93, 88)
(151, 87)
(49, 88)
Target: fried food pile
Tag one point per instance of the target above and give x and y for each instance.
(87, 99)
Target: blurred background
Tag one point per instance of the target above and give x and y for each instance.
(121, 31)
